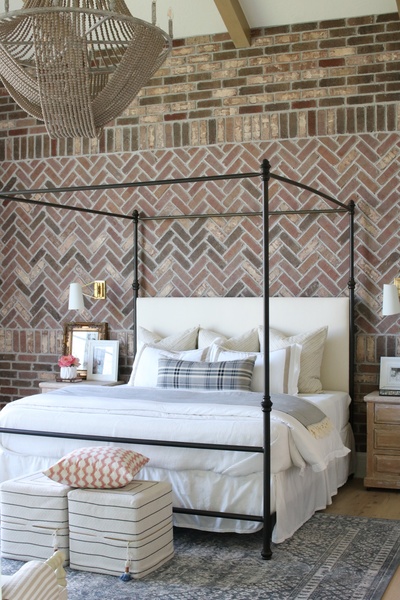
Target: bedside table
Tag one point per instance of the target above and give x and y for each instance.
(50, 386)
(383, 441)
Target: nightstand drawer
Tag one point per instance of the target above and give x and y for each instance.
(387, 464)
(387, 413)
(383, 441)
(387, 438)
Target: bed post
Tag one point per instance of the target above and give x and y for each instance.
(266, 404)
(351, 287)
(135, 283)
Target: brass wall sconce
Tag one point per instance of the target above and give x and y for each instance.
(391, 301)
(76, 293)
(396, 282)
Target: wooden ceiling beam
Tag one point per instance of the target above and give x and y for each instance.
(235, 21)
(398, 6)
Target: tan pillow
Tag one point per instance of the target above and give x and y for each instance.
(183, 340)
(312, 343)
(245, 342)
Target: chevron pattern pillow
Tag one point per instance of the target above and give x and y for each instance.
(102, 467)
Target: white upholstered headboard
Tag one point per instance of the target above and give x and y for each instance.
(231, 316)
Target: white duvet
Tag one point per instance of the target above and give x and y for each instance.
(233, 418)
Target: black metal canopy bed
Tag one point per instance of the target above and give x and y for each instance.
(276, 444)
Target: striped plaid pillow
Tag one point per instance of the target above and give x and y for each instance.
(224, 375)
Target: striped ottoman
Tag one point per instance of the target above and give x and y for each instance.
(113, 529)
(34, 517)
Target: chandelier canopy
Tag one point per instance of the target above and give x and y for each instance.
(77, 64)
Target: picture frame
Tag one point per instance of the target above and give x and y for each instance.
(389, 377)
(103, 361)
(76, 341)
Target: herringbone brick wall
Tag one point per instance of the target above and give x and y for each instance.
(332, 125)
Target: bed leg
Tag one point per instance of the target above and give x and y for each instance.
(266, 552)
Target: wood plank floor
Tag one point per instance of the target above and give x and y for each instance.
(354, 500)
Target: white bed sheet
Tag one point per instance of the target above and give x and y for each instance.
(211, 480)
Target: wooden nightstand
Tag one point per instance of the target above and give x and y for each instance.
(383, 441)
(50, 386)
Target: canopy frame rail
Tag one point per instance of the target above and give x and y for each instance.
(162, 443)
(266, 176)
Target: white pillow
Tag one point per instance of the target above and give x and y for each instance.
(312, 343)
(284, 367)
(145, 367)
(245, 342)
(183, 340)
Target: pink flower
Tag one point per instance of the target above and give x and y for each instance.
(68, 361)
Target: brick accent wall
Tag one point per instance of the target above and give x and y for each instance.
(319, 100)
(324, 78)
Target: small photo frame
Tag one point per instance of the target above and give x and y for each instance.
(389, 378)
(103, 360)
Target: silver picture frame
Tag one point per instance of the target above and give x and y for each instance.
(103, 360)
(389, 376)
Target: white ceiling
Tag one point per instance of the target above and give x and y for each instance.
(201, 17)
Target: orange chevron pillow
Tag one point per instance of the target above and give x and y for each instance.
(97, 467)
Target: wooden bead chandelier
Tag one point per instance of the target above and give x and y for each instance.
(77, 64)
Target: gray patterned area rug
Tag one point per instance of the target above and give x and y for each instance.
(330, 557)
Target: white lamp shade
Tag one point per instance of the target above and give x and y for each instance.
(391, 302)
(75, 297)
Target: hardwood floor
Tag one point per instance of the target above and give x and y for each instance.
(355, 500)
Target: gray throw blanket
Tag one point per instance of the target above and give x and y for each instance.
(305, 412)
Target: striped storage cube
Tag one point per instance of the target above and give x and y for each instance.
(111, 530)
(34, 517)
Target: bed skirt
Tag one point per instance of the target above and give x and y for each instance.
(294, 498)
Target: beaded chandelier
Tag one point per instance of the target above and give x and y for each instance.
(77, 64)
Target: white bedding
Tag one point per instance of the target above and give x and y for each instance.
(234, 479)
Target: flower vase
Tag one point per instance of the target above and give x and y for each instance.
(68, 372)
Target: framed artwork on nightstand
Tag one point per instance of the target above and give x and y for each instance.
(103, 360)
(389, 377)
(76, 341)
